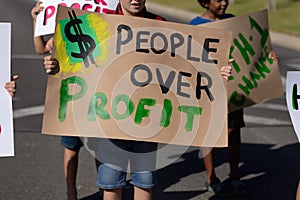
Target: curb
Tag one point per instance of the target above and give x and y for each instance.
(285, 40)
(182, 16)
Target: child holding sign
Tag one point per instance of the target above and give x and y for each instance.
(215, 10)
(71, 145)
(111, 173)
(113, 153)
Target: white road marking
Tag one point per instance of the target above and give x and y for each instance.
(271, 106)
(26, 112)
(265, 121)
(27, 56)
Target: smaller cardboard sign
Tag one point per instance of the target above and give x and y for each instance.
(255, 77)
(45, 22)
(6, 117)
(293, 98)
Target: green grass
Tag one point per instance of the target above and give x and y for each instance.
(284, 19)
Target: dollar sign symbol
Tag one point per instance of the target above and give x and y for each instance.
(86, 43)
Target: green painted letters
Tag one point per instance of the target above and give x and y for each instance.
(65, 97)
(234, 99)
(190, 111)
(166, 113)
(129, 106)
(141, 111)
(244, 50)
(95, 109)
(249, 86)
(264, 33)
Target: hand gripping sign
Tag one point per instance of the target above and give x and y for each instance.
(255, 77)
(293, 98)
(6, 116)
(137, 79)
(46, 19)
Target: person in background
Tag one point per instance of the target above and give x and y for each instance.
(216, 10)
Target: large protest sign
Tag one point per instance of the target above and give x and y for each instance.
(255, 77)
(293, 99)
(45, 22)
(6, 119)
(137, 79)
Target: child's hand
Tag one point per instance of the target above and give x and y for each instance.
(274, 56)
(226, 70)
(36, 10)
(51, 65)
(11, 86)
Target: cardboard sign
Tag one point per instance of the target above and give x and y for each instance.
(6, 116)
(293, 99)
(137, 79)
(255, 78)
(45, 22)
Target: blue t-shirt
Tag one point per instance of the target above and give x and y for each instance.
(199, 20)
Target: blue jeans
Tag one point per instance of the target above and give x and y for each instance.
(114, 156)
(71, 142)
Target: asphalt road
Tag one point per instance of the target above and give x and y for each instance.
(269, 156)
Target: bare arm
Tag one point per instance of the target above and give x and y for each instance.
(41, 46)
